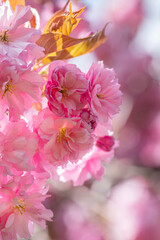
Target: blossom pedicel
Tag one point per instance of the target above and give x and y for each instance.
(54, 119)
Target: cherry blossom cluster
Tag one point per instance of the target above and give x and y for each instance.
(59, 128)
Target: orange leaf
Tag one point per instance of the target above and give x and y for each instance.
(58, 46)
(14, 3)
(35, 21)
(63, 22)
(60, 12)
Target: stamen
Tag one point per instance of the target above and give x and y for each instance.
(8, 88)
(101, 96)
(64, 91)
(61, 136)
(20, 207)
(4, 36)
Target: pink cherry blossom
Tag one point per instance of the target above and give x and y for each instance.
(17, 147)
(19, 88)
(104, 96)
(65, 89)
(16, 41)
(21, 206)
(62, 139)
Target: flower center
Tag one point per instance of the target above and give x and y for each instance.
(61, 136)
(20, 206)
(3, 36)
(64, 91)
(101, 96)
(8, 88)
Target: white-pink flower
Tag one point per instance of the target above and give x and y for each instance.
(19, 89)
(66, 89)
(16, 41)
(61, 139)
(104, 96)
(89, 121)
(87, 167)
(17, 147)
(21, 205)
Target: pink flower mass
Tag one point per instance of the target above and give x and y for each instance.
(21, 205)
(55, 120)
(19, 88)
(17, 147)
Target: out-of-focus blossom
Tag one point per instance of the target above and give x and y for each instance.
(150, 151)
(104, 96)
(19, 88)
(134, 211)
(16, 41)
(17, 147)
(77, 223)
(142, 128)
(21, 206)
(62, 139)
(65, 89)
(126, 12)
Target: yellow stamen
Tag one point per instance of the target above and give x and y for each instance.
(4, 36)
(61, 136)
(8, 88)
(101, 96)
(20, 207)
(64, 91)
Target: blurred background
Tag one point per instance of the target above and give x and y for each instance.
(125, 204)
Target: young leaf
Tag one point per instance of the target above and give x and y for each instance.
(63, 22)
(14, 3)
(58, 46)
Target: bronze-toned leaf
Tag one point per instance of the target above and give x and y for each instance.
(58, 46)
(54, 42)
(63, 22)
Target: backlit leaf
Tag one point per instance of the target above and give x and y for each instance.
(58, 46)
(63, 22)
(35, 21)
(14, 3)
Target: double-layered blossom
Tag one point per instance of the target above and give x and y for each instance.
(21, 205)
(17, 147)
(62, 139)
(104, 96)
(19, 88)
(16, 41)
(66, 89)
